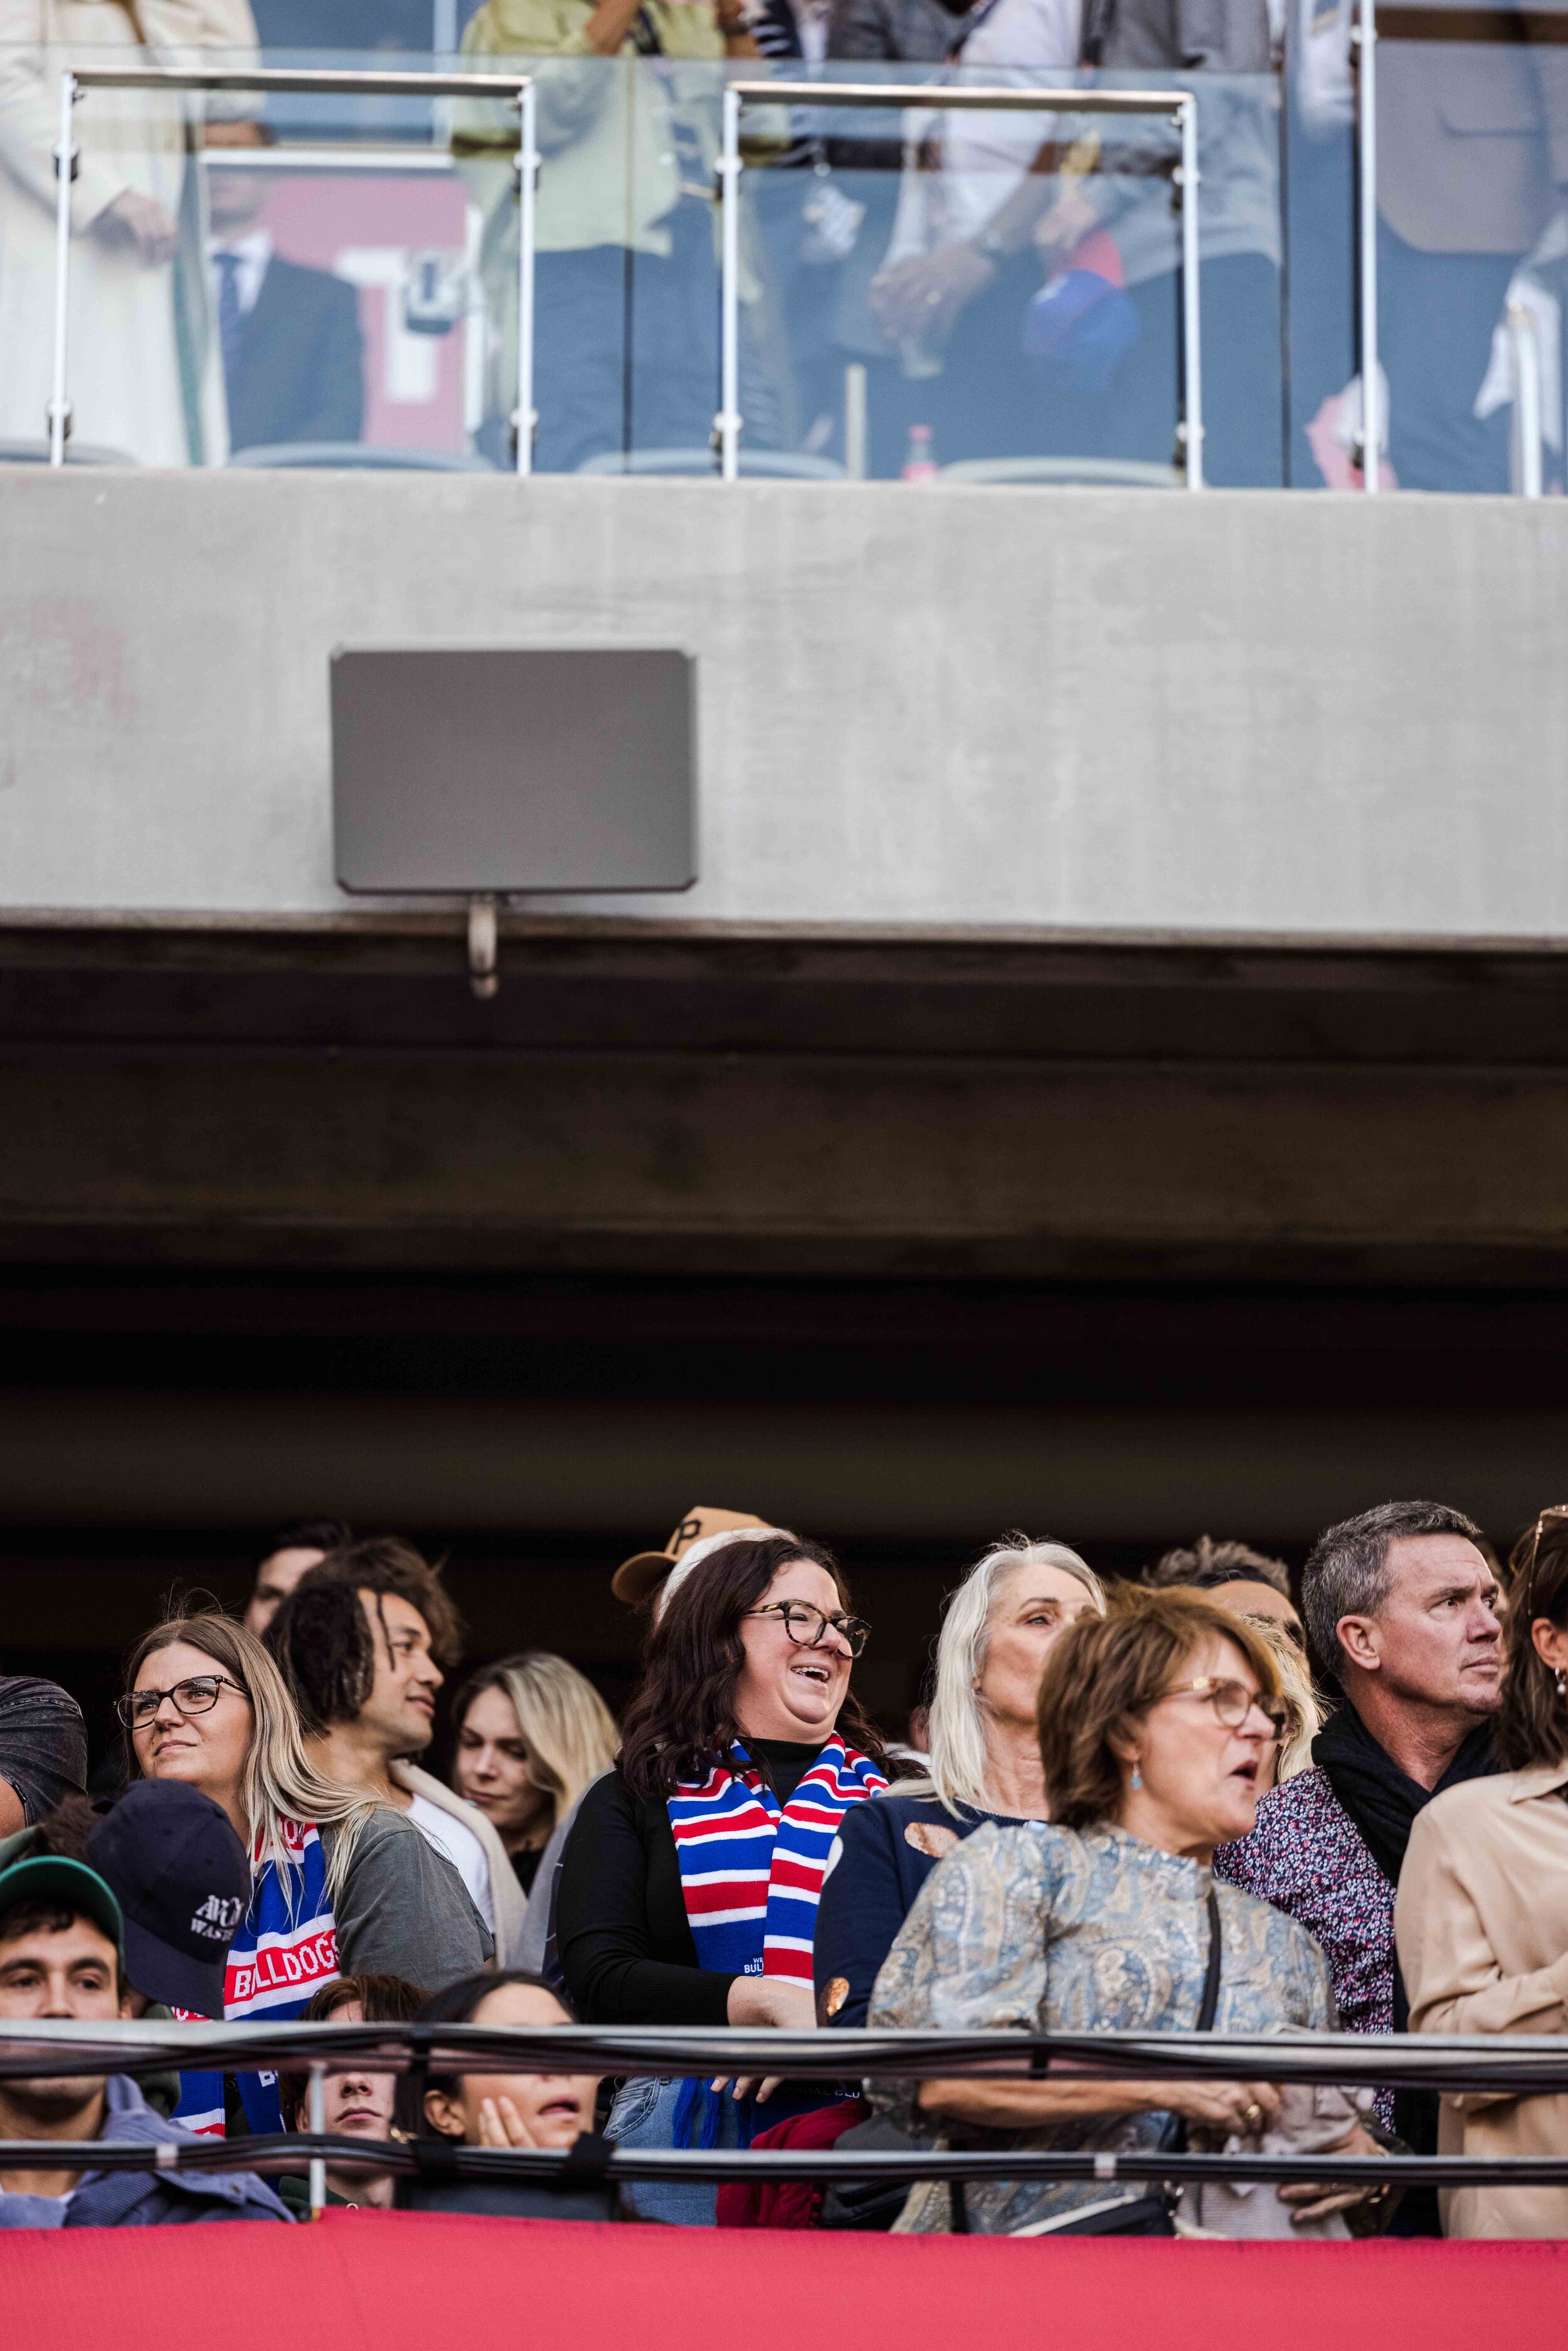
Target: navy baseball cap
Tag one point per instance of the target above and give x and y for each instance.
(182, 1879)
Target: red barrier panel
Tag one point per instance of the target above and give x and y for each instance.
(391, 2282)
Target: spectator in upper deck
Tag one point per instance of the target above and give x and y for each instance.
(548, 2110)
(291, 1552)
(43, 1750)
(62, 1955)
(356, 2103)
(1482, 1916)
(1401, 1606)
(741, 1750)
(1239, 1577)
(997, 1629)
(335, 1877)
(532, 1734)
(362, 1640)
(1153, 1720)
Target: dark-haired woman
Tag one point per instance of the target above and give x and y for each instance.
(688, 1891)
(500, 2109)
(1481, 1915)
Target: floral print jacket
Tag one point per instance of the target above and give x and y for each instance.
(1070, 1931)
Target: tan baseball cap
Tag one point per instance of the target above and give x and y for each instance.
(636, 1577)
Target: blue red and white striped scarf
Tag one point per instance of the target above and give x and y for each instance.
(285, 1949)
(751, 1869)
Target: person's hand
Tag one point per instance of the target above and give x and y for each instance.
(1071, 219)
(140, 222)
(777, 2005)
(920, 299)
(1314, 2200)
(500, 2125)
(1245, 2107)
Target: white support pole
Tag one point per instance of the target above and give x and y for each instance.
(855, 421)
(1527, 465)
(65, 167)
(318, 2130)
(1191, 295)
(527, 195)
(729, 418)
(1372, 425)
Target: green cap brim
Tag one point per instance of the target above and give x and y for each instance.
(51, 1876)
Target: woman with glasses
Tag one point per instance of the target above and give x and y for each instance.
(997, 1629)
(337, 1881)
(689, 1885)
(1154, 1720)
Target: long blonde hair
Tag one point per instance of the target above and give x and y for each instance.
(280, 1783)
(1304, 1707)
(958, 1733)
(565, 1725)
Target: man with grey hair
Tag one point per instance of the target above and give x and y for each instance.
(1401, 1605)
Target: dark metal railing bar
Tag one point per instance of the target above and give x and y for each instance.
(548, 2165)
(1515, 2065)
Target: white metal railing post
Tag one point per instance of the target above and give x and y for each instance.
(318, 2116)
(729, 418)
(1192, 334)
(1525, 349)
(527, 197)
(1372, 422)
(65, 173)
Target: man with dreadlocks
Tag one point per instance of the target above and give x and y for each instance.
(359, 1640)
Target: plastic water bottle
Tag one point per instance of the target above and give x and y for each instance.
(920, 457)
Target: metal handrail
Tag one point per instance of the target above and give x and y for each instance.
(517, 89)
(1181, 106)
(1514, 2064)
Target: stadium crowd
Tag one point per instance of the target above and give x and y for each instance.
(1159, 1805)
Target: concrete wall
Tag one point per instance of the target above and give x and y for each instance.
(1240, 714)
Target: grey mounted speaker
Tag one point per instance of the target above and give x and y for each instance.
(485, 772)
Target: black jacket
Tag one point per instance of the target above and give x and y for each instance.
(298, 373)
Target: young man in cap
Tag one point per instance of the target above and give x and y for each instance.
(649, 1573)
(62, 1955)
(173, 1861)
(292, 1553)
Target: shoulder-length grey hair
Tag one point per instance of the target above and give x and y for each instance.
(957, 1736)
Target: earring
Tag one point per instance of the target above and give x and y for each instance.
(1137, 1779)
(1562, 1683)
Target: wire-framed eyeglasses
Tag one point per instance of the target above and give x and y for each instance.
(808, 1627)
(198, 1695)
(1233, 1702)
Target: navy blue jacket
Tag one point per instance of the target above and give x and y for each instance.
(149, 2200)
(881, 1856)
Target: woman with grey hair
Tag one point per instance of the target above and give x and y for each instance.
(997, 1629)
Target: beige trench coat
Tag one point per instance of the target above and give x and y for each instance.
(1482, 1924)
(145, 375)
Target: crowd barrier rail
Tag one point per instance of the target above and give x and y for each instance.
(516, 90)
(1519, 2066)
(1180, 105)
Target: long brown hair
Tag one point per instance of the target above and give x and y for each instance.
(1531, 1725)
(681, 1723)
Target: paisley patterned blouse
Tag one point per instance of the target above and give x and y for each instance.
(1075, 1931)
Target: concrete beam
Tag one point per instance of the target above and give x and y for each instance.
(1247, 712)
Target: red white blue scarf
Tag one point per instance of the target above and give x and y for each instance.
(285, 1949)
(751, 1869)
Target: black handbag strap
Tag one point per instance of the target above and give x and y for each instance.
(1210, 2003)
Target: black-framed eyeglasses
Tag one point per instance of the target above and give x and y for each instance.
(1233, 1702)
(808, 1627)
(198, 1695)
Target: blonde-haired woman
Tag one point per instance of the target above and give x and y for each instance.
(337, 1880)
(997, 1629)
(532, 1734)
